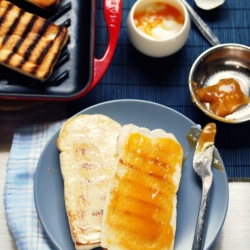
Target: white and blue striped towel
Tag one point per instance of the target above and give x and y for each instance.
(28, 143)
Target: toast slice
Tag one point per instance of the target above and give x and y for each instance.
(140, 208)
(29, 44)
(45, 4)
(88, 145)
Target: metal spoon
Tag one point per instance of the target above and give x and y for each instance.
(204, 29)
(209, 4)
(202, 162)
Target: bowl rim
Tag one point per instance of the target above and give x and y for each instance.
(195, 101)
(184, 27)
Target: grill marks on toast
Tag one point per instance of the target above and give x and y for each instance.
(88, 145)
(155, 175)
(24, 35)
(2, 18)
(139, 186)
(28, 43)
(13, 26)
(32, 46)
(144, 189)
(138, 191)
(140, 210)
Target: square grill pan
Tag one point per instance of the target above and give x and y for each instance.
(77, 71)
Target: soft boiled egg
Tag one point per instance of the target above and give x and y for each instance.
(159, 20)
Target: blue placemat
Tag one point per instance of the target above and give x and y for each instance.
(132, 75)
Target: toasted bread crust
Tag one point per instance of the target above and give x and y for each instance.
(29, 44)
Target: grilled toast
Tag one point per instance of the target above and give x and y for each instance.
(88, 145)
(140, 208)
(45, 4)
(29, 44)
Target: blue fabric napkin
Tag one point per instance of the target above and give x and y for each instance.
(28, 143)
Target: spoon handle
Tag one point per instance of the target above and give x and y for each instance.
(201, 222)
(204, 29)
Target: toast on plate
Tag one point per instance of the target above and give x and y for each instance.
(88, 145)
(140, 208)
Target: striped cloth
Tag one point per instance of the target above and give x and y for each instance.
(28, 143)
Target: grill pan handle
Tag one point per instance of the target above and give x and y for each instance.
(112, 14)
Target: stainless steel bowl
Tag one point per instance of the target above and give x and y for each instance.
(219, 62)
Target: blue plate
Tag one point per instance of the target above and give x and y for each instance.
(48, 186)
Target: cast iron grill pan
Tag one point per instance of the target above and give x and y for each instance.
(73, 70)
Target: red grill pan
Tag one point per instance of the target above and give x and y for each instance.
(77, 70)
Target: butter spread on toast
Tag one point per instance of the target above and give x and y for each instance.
(88, 145)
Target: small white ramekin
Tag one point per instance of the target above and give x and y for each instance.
(151, 46)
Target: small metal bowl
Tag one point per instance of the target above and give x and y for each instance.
(220, 62)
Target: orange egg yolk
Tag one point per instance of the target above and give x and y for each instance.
(155, 15)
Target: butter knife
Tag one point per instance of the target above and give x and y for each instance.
(202, 162)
